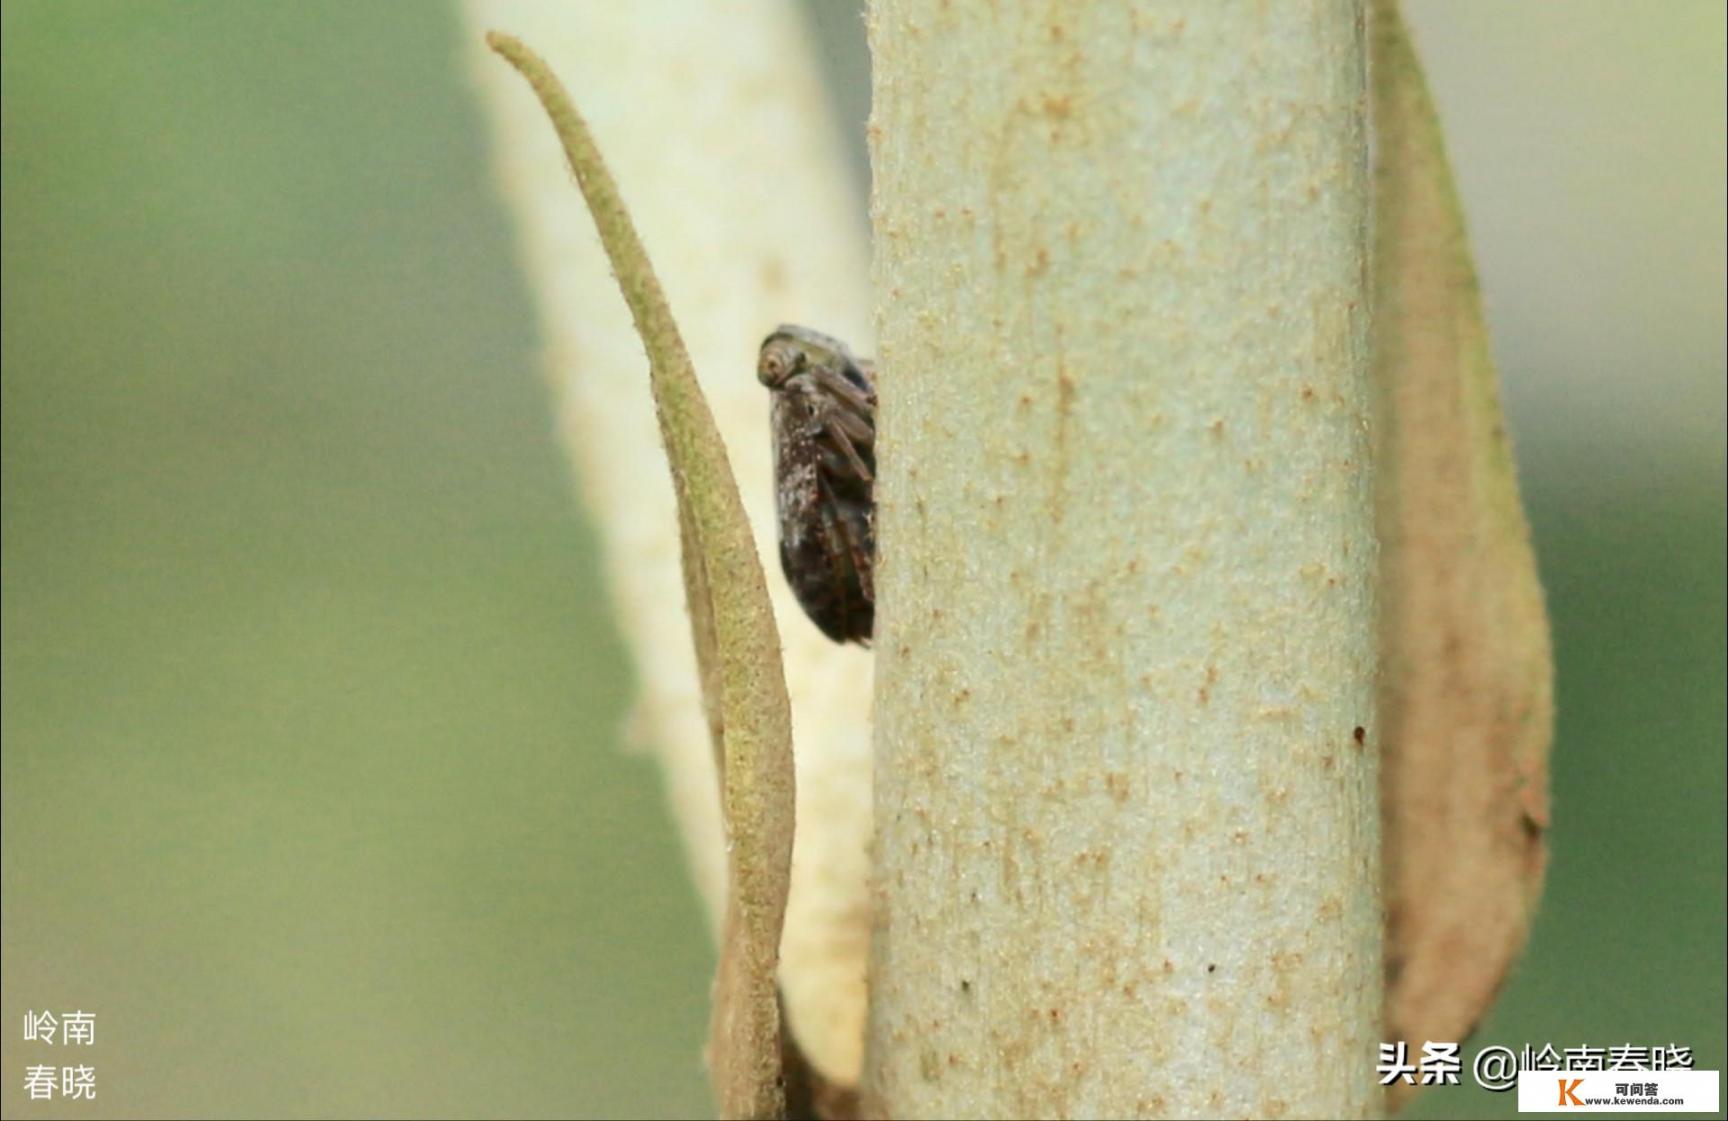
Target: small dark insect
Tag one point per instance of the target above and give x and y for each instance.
(824, 417)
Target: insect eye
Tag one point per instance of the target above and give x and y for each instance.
(775, 365)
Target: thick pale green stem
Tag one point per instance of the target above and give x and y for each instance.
(1127, 832)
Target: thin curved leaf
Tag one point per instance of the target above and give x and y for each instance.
(737, 645)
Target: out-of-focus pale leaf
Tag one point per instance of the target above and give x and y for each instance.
(737, 645)
(1466, 700)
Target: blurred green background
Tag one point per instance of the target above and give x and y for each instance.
(315, 789)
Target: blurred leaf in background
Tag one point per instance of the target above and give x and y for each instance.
(1588, 142)
(313, 779)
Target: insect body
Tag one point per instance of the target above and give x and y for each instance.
(824, 418)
